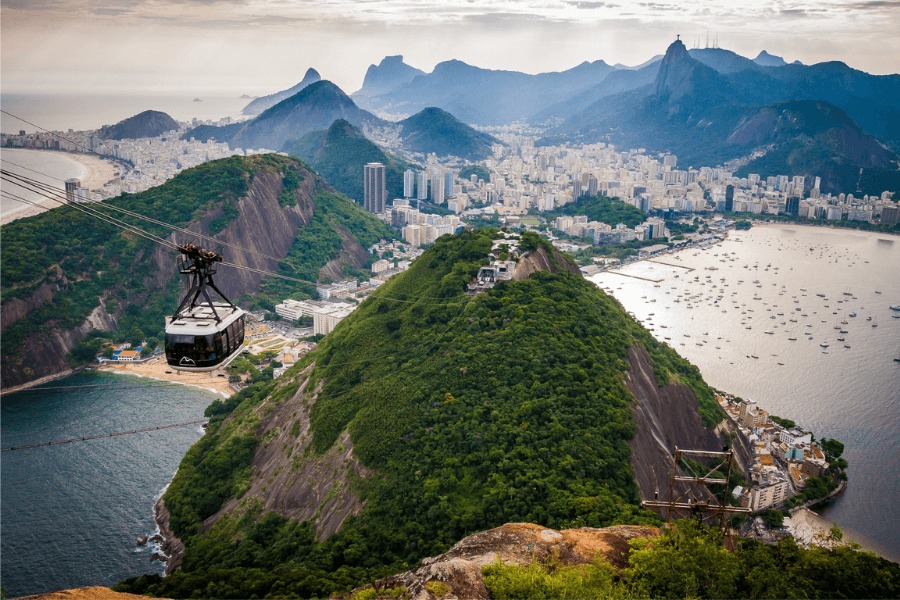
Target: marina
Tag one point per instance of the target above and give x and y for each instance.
(762, 326)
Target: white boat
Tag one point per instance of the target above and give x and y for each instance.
(824, 344)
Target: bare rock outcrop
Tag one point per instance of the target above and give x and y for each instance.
(514, 543)
(666, 417)
(542, 260)
(291, 480)
(171, 545)
(94, 592)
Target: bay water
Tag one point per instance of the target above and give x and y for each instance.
(71, 513)
(761, 314)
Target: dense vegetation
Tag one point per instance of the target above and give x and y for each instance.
(339, 155)
(688, 561)
(317, 243)
(478, 170)
(611, 211)
(472, 411)
(436, 130)
(89, 259)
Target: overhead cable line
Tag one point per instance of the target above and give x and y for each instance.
(49, 188)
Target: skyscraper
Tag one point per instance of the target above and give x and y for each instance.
(449, 183)
(374, 190)
(437, 188)
(729, 198)
(422, 186)
(409, 183)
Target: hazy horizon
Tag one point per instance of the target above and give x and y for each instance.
(257, 47)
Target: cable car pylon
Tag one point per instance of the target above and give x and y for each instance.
(695, 500)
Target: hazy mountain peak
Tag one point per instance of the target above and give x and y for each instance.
(675, 51)
(387, 75)
(675, 71)
(311, 76)
(265, 102)
(765, 59)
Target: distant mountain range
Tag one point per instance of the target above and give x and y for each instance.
(313, 108)
(472, 94)
(258, 105)
(704, 104)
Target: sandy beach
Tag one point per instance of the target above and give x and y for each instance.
(159, 370)
(95, 173)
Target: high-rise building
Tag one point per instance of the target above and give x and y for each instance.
(449, 182)
(437, 188)
(409, 183)
(890, 215)
(422, 186)
(729, 198)
(792, 206)
(72, 186)
(374, 188)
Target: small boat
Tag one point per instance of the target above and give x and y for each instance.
(846, 345)
(770, 332)
(853, 314)
(895, 306)
(824, 344)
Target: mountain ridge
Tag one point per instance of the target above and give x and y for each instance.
(261, 104)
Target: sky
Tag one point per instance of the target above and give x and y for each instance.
(261, 46)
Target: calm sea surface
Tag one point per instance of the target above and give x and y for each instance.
(71, 513)
(51, 168)
(85, 112)
(717, 306)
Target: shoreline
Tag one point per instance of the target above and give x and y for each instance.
(160, 371)
(96, 172)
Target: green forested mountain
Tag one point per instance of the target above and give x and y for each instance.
(339, 155)
(436, 130)
(426, 415)
(68, 276)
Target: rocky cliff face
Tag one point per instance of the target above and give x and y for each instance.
(513, 543)
(666, 418)
(315, 488)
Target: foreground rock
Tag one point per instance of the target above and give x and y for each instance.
(85, 593)
(513, 543)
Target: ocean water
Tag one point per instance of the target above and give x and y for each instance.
(51, 168)
(716, 306)
(61, 112)
(70, 514)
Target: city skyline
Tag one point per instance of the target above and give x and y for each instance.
(219, 46)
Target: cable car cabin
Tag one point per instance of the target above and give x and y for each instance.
(196, 342)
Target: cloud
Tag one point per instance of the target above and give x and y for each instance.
(591, 5)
